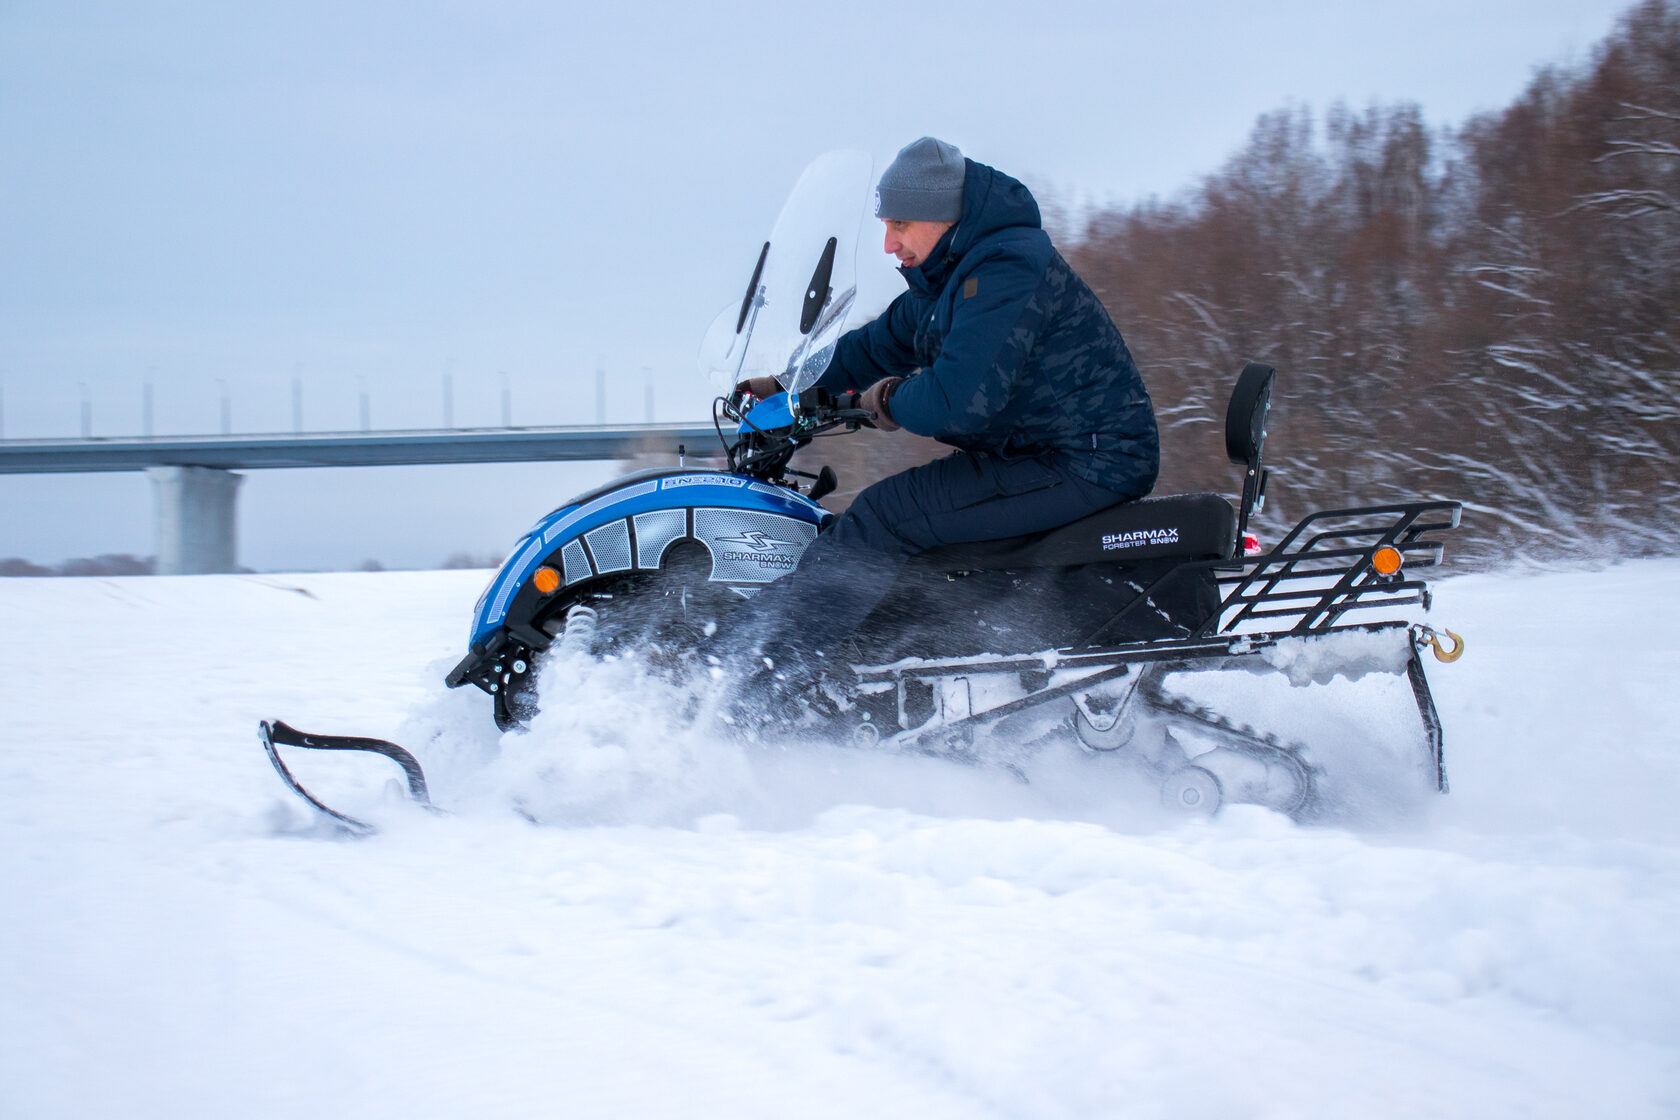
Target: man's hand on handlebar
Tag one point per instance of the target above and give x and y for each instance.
(760, 387)
(875, 400)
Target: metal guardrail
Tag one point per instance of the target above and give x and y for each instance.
(353, 449)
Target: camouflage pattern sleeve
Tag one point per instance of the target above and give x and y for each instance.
(995, 320)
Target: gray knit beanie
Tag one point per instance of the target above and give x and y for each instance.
(924, 184)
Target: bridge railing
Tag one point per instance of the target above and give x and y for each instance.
(195, 490)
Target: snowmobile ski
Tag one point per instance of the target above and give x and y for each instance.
(280, 733)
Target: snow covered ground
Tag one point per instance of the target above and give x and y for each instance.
(699, 929)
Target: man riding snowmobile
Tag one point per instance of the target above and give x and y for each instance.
(1019, 593)
(996, 348)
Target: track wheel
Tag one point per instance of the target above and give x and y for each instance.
(1106, 718)
(1116, 734)
(1190, 789)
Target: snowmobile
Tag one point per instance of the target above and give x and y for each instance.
(1071, 632)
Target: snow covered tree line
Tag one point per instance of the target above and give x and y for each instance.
(1490, 314)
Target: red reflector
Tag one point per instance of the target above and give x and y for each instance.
(1251, 544)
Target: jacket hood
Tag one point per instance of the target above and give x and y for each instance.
(992, 201)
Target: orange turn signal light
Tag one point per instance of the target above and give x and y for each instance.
(546, 580)
(1386, 560)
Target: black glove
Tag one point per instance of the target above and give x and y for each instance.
(760, 387)
(875, 399)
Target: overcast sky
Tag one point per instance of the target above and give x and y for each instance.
(214, 197)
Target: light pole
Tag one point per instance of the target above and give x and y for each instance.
(449, 394)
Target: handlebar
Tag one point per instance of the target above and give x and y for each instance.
(767, 439)
(826, 407)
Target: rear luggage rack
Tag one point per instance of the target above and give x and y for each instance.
(1327, 566)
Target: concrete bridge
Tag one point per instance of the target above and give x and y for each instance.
(195, 489)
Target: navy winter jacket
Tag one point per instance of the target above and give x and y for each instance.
(1005, 349)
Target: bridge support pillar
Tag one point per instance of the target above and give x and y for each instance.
(193, 519)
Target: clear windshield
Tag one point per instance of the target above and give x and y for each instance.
(805, 282)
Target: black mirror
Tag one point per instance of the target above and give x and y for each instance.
(752, 288)
(816, 294)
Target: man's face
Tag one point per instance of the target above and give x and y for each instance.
(911, 242)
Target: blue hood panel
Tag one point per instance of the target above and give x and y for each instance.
(558, 538)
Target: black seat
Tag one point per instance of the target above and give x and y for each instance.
(1176, 527)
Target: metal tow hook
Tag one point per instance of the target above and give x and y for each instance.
(1443, 655)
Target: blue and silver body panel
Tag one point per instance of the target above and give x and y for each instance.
(754, 531)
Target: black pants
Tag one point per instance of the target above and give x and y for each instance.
(852, 564)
